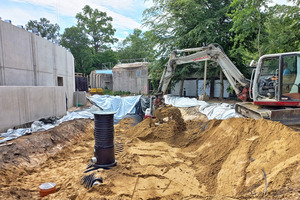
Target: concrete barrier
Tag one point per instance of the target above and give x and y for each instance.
(23, 104)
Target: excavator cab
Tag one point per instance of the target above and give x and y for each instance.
(277, 80)
(275, 86)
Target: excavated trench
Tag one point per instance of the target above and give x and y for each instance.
(165, 158)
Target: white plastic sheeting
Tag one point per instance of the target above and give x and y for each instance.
(41, 126)
(120, 105)
(211, 110)
(182, 102)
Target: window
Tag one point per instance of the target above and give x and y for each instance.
(291, 78)
(60, 81)
(268, 79)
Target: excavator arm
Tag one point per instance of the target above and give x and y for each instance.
(236, 79)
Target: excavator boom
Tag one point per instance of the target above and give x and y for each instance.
(275, 92)
(211, 52)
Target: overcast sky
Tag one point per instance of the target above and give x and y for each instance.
(126, 14)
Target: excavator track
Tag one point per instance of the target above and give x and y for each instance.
(285, 115)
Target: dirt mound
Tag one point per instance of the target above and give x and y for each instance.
(168, 126)
(230, 159)
(233, 155)
(34, 149)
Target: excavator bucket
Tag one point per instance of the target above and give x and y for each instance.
(287, 116)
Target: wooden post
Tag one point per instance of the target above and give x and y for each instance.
(221, 85)
(197, 81)
(204, 81)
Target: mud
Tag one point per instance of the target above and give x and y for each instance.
(177, 159)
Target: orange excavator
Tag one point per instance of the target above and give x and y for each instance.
(274, 86)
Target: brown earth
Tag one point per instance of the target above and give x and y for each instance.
(191, 159)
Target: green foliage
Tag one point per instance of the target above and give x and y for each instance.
(44, 28)
(296, 2)
(248, 18)
(283, 29)
(88, 41)
(137, 45)
(121, 93)
(108, 92)
(156, 69)
(98, 26)
(74, 39)
(179, 24)
(116, 93)
(107, 59)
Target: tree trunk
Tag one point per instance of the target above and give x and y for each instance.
(221, 85)
(181, 87)
(258, 35)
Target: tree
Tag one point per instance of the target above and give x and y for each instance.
(107, 59)
(297, 2)
(282, 29)
(74, 39)
(137, 45)
(44, 28)
(98, 26)
(248, 18)
(178, 24)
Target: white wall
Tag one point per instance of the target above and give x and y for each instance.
(23, 104)
(190, 88)
(29, 60)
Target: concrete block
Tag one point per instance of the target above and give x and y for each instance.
(60, 104)
(71, 89)
(44, 55)
(16, 47)
(9, 106)
(1, 59)
(131, 77)
(81, 96)
(20, 105)
(15, 77)
(70, 65)
(61, 61)
(41, 102)
(45, 79)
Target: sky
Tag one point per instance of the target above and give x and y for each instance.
(126, 14)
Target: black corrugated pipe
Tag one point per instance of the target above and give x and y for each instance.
(104, 141)
(104, 138)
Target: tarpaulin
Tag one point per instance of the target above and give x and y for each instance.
(120, 105)
(41, 126)
(211, 110)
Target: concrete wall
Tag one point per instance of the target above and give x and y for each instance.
(132, 77)
(101, 80)
(191, 88)
(29, 60)
(23, 104)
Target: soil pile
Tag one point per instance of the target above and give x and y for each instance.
(168, 126)
(234, 157)
(167, 158)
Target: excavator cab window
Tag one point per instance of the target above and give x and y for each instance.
(268, 79)
(290, 86)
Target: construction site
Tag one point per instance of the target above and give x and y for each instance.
(185, 157)
(57, 142)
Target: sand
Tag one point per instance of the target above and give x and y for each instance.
(177, 159)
